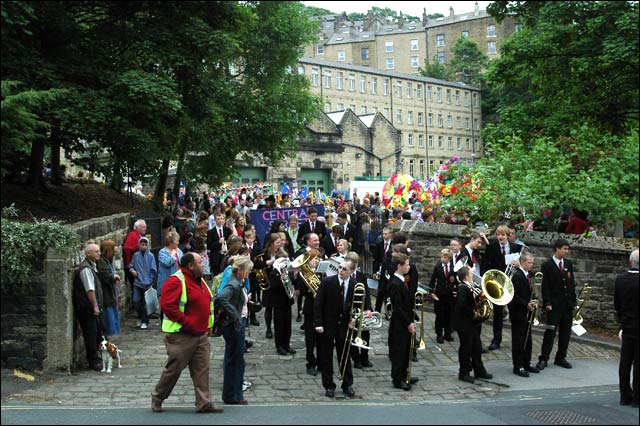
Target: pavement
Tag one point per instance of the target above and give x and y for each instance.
(280, 379)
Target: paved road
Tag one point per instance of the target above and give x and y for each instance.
(280, 383)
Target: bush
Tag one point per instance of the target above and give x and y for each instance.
(23, 241)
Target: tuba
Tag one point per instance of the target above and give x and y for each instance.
(308, 275)
(496, 288)
(280, 265)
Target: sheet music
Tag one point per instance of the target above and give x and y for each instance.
(578, 329)
(327, 267)
(372, 283)
(508, 258)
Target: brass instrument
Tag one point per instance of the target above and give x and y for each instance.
(583, 296)
(308, 275)
(418, 306)
(372, 323)
(388, 309)
(496, 288)
(535, 314)
(262, 276)
(357, 305)
(223, 248)
(461, 263)
(280, 265)
(510, 270)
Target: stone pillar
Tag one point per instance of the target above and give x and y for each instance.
(60, 318)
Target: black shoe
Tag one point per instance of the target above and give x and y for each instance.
(414, 380)
(448, 338)
(440, 339)
(484, 375)
(521, 372)
(303, 326)
(357, 364)
(542, 364)
(494, 345)
(248, 343)
(484, 351)
(330, 393)
(299, 318)
(532, 369)
(466, 378)
(563, 363)
(349, 391)
(367, 364)
(282, 351)
(254, 321)
(269, 334)
(312, 371)
(415, 358)
(291, 350)
(401, 385)
(625, 401)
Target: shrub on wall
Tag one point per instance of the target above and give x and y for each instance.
(23, 241)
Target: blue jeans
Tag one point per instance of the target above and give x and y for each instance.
(233, 363)
(140, 304)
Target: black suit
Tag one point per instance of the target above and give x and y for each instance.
(384, 283)
(625, 300)
(350, 235)
(360, 355)
(305, 228)
(310, 335)
(329, 246)
(281, 310)
(443, 285)
(470, 351)
(400, 338)
(215, 247)
(558, 291)
(520, 315)
(379, 255)
(333, 314)
(494, 259)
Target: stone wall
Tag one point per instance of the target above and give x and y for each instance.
(596, 261)
(39, 330)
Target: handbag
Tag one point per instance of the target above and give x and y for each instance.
(151, 300)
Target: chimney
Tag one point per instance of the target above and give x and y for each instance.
(425, 18)
(476, 11)
(451, 14)
(400, 20)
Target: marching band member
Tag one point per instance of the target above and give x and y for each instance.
(278, 296)
(330, 242)
(520, 309)
(443, 283)
(360, 356)
(216, 240)
(382, 253)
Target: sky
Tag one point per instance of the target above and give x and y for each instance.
(413, 8)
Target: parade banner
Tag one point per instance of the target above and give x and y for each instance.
(263, 218)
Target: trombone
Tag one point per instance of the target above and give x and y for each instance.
(417, 304)
(535, 314)
(357, 310)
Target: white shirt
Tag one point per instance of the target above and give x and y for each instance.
(555, 259)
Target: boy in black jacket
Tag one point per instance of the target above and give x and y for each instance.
(445, 284)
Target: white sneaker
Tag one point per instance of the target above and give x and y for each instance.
(143, 326)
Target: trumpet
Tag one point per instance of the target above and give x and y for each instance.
(357, 306)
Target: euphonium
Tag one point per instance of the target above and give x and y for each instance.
(357, 305)
(280, 265)
(308, 275)
(584, 295)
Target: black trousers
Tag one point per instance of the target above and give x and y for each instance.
(89, 326)
(443, 309)
(358, 354)
(498, 323)
(520, 351)
(310, 342)
(381, 296)
(470, 351)
(628, 358)
(328, 340)
(282, 326)
(562, 318)
(399, 346)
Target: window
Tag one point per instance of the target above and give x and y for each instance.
(386, 113)
(352, 107)
(414, 44)
(421, 140)
(440, 40)
(421, 169)
(459, 143)
(457, 97)
(475, 100)
(388, 46)
(314, 77)
(341, 56)
(363, 83)
(410, 139)
(411, 167)
(364, 53)
(491, 30)
(449, 121)
(340, 106)
(468, 144)
(399, 116)
(420, 119)
(464, 34)
(458, 122)
(491, 47)
(415, 62)
(431, 141)
(440, 121)
(327, 106)
(385, 86)
(363, 109)
(440, 142)
(352, 83)
(320, 49)
(439, 94)
(410, 117)
(430, 119)
(467, 123)
(419, 91)
(466, 99)
(391, 64)
(339, 80)
(327, 80)
(428, 92)
(450, 143)
(475, 124)
(431, 166)
(409, 89)
(374, 85)
(399, 89)
(449, 96)
(441, 57)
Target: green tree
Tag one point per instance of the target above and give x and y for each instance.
(434, 69)
(468, 62)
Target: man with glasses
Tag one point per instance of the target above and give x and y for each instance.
(332, 318)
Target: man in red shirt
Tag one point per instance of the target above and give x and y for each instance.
(187, 329)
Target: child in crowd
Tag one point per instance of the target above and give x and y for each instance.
(144, 271)
(445, 285)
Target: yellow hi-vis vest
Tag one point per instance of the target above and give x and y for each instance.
(169, 326)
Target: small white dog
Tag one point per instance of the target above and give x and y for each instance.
(109, 352)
